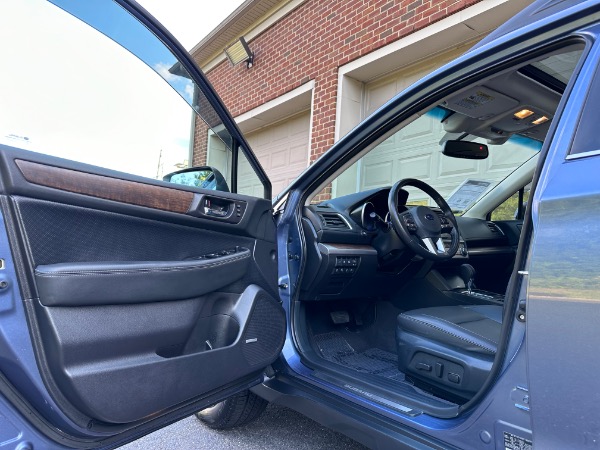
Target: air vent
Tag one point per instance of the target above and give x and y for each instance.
(333, 221)
(494, 228)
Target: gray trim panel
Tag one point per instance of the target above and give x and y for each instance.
(71, 284)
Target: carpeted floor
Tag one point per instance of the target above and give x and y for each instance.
(334, 348)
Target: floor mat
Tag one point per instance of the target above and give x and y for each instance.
(334, 348)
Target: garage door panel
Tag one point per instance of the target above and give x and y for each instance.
(279, 185)
(407, 154)
(412, 141)
(299, 154)
(449, 167)
(419, 130)
(417, 167)
(279, 159)
(282, 149)
(375, 174)
(506, 161)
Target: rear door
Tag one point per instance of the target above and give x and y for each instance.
(125, 302)
(564, 286)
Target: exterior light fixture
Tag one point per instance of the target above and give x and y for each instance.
(239, 52)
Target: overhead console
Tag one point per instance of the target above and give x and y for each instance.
(487, 113)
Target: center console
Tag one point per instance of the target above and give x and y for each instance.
(459, 284)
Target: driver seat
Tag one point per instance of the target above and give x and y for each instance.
(451, 348)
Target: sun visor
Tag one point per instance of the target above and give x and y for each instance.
(480, 103)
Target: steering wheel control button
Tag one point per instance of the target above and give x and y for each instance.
(409, 221)
(446, 225)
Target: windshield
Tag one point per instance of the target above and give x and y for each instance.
(414, 152)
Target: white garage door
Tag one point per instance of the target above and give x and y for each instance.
(408, 154)
(379, 91)
(386, 165)
(282, 150)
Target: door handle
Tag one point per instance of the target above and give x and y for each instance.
(219, 208)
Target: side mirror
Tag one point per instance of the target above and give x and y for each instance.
(203, 177)
(465, 150)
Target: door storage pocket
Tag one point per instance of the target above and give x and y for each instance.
(210, 333)
(110, 359)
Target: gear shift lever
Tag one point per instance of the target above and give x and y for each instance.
(467, 273)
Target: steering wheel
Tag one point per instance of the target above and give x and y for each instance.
(421, 228)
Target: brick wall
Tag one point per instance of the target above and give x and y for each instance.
(310, 44)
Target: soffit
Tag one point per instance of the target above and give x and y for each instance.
(247, 16)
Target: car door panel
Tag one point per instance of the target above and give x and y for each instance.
(110, 188)
(72, 284)
(138, 306)
(130, 361)
(38, 176)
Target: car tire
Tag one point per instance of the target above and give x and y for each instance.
(237, 410)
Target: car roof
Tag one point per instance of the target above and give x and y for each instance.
(537, 11)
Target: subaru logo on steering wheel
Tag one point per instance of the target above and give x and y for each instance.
(429, 216)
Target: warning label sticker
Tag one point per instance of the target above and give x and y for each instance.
(467, 193)
(514, 442)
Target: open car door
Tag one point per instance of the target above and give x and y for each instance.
(126, 302)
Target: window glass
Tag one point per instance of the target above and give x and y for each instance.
(248, 183)
(587, 138)
(414, 152)
(79, 95)
(510, 113)
(117, 99)
(509, 209)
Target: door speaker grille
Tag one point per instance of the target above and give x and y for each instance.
(265, 332)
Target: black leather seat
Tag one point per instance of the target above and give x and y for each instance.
(449, 347)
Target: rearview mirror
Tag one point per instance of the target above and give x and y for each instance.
(203, 177)
(465, 150)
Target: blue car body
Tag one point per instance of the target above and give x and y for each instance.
(542, 387)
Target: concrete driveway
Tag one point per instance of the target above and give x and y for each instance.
(276, 428)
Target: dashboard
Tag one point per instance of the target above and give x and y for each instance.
(353, 251)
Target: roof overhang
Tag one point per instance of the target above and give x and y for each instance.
(249, 20)
(280, 108)
(459, 28)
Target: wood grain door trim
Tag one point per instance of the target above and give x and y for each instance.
(100, 186)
